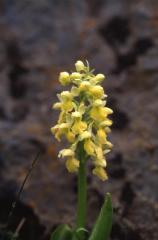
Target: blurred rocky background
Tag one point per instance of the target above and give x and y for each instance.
(38, 39)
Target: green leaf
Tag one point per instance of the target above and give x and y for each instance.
(103, 225)
(63, 232)
(81, 233)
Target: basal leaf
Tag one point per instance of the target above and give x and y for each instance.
(63, 232)
(81, 234)
(103, 225)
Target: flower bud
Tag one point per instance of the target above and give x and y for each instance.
(64, 78)
(79, 66)
(84, 86)
(75, 75)
(99, 77)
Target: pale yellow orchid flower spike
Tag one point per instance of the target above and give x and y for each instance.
(83, 118)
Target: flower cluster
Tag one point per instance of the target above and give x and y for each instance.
(83, 118)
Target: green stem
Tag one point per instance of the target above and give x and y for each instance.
(82, 191)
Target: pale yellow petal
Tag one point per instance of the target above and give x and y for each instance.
(79, 126)
(96, 91)
(57, 105)
(66, 153)
(70, 136)
(67, 106)
(101, 136)
(75, 75)
(72, 165)
(97, 79)
(100, 173)
(89, 147)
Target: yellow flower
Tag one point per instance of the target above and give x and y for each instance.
(72, 164)
(75, 75)
(109, 110)
(67, 106)
(84, 86)
(84, 135)
(75, 91)
(59, 129)
(70, 136)
(89, 147)
(99, 152)
(107, 123)
(101, 134)
(100, 114)
(76, 114)
(96, 91)
(65, 96)
(99, 103)
(100, 162)
(66, 153)
(97, 79)
(82, 108)
(64, 78)
(79, 66)
(100, 173)
(79, 126)
(66, 101)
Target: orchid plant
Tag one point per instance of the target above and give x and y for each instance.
(84, 122)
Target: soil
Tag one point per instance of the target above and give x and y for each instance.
(38, 39)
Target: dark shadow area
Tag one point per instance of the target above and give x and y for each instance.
(18, 85)
(120, 118)
(122, 231)
(31, 229)
(116, 31)
(116, 169)
(125, 61)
